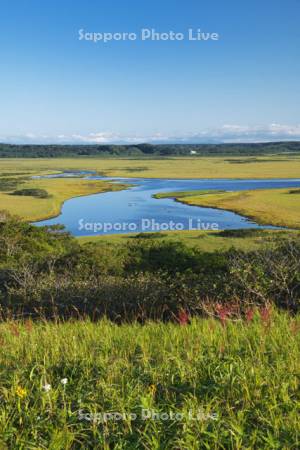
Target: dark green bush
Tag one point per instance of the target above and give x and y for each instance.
(241, 233)
(39, 193)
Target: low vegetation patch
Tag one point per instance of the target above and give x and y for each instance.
(39, 193)
(149, 235)
(184, 194)
(241, 233)
(7, 184)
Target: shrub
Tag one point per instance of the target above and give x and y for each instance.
(39, 193)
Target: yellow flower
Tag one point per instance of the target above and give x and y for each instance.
(152, 389)
(21, 392)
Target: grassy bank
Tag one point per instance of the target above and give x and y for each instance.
(206, 241)
(59, 190)
(280, 207)
(242, 379)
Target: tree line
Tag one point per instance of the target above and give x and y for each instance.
(148, 150)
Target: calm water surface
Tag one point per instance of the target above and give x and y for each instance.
(135, 209)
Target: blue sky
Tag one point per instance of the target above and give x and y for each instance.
(56, 88)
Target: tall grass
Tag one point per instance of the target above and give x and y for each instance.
(243, 377)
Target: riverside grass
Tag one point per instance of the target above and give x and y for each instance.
(244, 373)
(280, 207)
(206, 241)
(59, 190)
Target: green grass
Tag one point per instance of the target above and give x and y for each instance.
(184, 194)
(247, 374)
(280, 207)
(207, 241)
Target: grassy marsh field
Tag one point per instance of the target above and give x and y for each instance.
(280, 207)
(277, 166)
(242, 379)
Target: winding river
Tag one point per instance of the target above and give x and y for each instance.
(135, 209)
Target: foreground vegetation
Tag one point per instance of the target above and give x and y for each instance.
(152, 344)
(46, 273)
(232, 386)
(279, 207)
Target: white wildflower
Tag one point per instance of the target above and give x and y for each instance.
(47, 387)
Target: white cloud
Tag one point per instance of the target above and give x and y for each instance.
(226, 133)
(30, 136)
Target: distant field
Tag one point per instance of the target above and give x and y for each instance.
(285, 166)
(280, 207)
